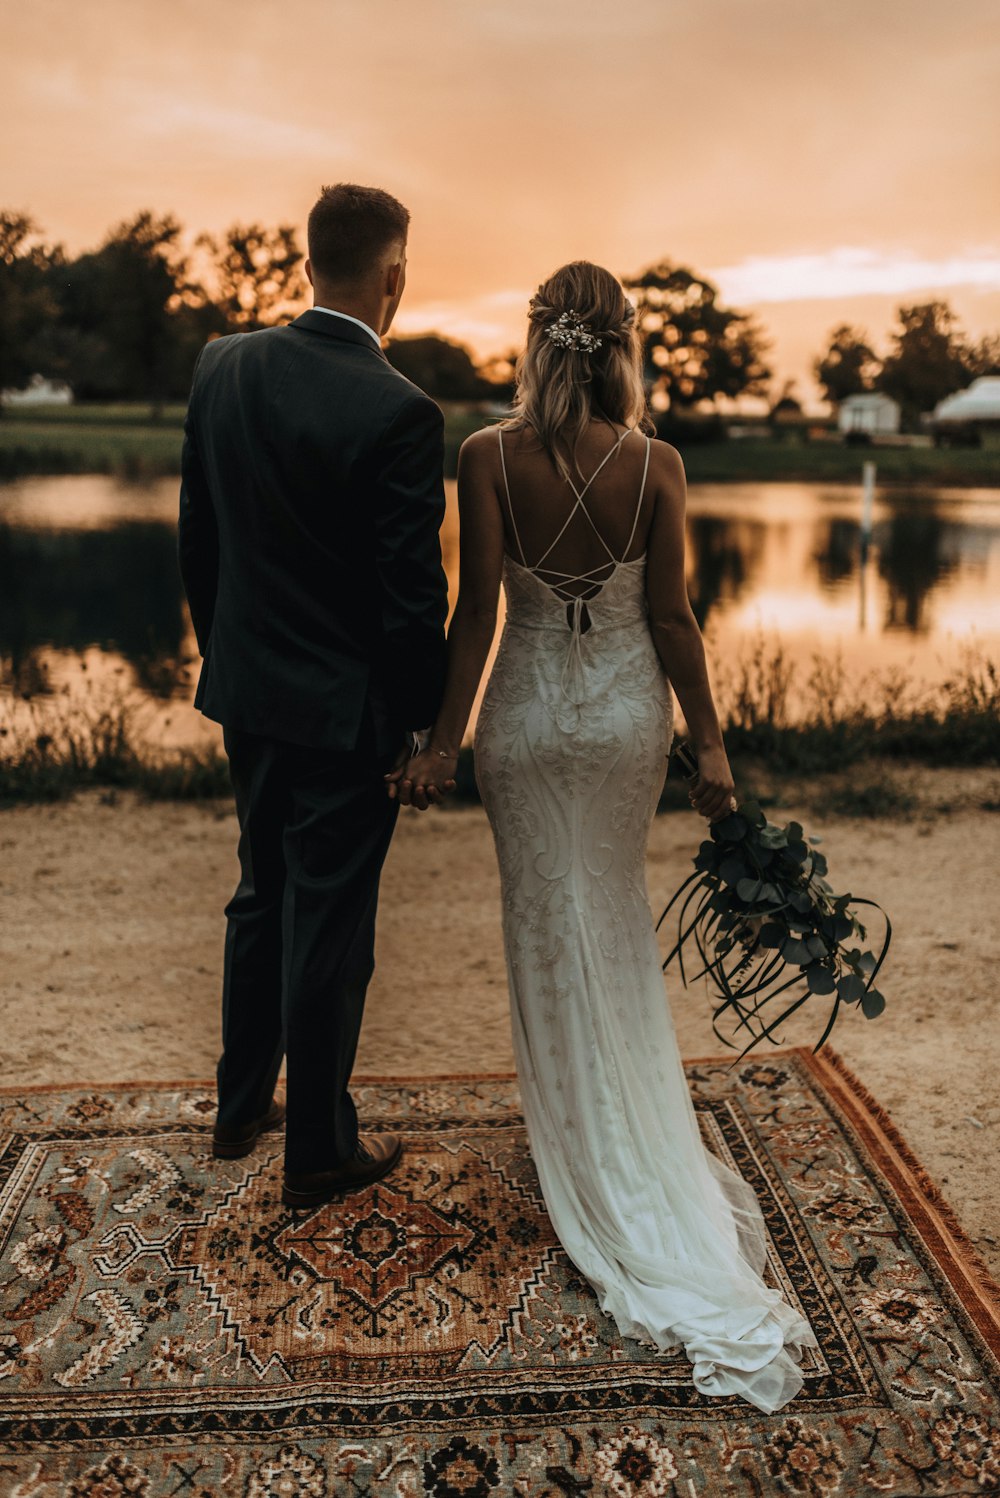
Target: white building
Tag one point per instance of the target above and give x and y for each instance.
(979, 403)
(871, 413)
(39, 392)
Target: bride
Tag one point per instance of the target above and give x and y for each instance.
(581, 515)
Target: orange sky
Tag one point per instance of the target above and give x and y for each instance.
(820, 161)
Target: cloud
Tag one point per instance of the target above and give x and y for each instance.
(851, 271)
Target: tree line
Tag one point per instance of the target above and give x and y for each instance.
(125, 321)
(929, 357)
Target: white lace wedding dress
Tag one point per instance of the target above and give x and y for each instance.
(571, 746)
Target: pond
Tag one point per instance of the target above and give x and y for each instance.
(90, 598)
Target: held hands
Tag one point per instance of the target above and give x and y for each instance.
(712, 794)
(422, 779)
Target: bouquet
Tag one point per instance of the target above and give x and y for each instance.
(769, 930)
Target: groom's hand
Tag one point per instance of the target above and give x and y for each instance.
(395, 775)
(423, 780)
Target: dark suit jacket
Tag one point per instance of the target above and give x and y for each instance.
(311, 501)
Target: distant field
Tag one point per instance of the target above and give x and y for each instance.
(125, 439)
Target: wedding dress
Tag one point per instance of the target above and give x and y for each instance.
(571, 745)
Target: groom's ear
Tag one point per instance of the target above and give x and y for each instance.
(309, 272)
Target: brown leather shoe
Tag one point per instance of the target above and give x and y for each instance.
(230, 1143)
(374, 1156)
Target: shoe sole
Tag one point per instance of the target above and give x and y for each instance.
(244, 1147)
(329, 1193)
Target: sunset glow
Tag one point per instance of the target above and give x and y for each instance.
(819, 162)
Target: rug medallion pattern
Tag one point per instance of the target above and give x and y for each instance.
(170, 1328)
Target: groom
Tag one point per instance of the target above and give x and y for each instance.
(311, 501)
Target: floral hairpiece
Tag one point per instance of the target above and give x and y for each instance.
(570, 331)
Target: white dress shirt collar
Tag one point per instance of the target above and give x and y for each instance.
(355, 320)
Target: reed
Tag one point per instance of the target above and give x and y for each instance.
(837, 737)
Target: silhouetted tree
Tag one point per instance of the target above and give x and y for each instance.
(123, 303)
(256, 273)
(928, 359)
(25, 300)
(696, 349)
(983, 358)
(442, 368)
(849, 366)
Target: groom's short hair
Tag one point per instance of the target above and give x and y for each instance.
(350, 228)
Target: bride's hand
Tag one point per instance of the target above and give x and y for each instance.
(424, 780)
(712, 792)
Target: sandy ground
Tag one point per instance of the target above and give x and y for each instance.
(111, 948)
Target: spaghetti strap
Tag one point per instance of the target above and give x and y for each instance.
(638, 508)
(563, 579)
(510, 504)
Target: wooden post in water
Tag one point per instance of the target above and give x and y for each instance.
(867, 507)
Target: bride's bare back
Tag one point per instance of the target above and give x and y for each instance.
(571, 542)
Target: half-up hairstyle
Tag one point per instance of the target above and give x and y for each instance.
(582, 358)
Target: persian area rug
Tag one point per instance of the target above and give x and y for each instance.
(170, 1328)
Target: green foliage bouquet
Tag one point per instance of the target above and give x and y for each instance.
(769, 930)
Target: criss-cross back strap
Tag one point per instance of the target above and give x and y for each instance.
(580, 494)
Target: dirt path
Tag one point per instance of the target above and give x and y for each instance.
(111, 948)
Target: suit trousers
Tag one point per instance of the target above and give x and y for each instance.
(315, 826)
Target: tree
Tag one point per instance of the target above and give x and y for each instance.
(983, 358)
(256, 272)
(850, 365)
(25, 300)
(123, 305)
(929, 359)
(696, 350)
(442, 368)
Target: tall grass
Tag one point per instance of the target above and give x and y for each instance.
(826, 718)
(51, 747)
(779, 720)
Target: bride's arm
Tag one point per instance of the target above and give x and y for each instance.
(676, 634)
(473, 623)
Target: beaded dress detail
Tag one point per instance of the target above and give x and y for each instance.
(571, 744)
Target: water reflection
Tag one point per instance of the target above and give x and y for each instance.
(911, 560)
(720, 558)
(70, 590)
(88, 570)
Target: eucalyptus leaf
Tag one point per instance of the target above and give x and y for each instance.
(730, 829)
(732, 869)
(872, 1004)
(772, 836)
(793, 832)
(820, 979)
(817, 946)
(771, 935)
(866, 962)
(796, 952)
(749, 889)
(851, 988)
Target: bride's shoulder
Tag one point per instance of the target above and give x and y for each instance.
(478, 456)
(666, 467)
(479, 441)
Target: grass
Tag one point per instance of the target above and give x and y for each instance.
(767, 461)
(846, 746)
(124, 439)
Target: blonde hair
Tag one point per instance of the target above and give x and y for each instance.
(560, 387)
